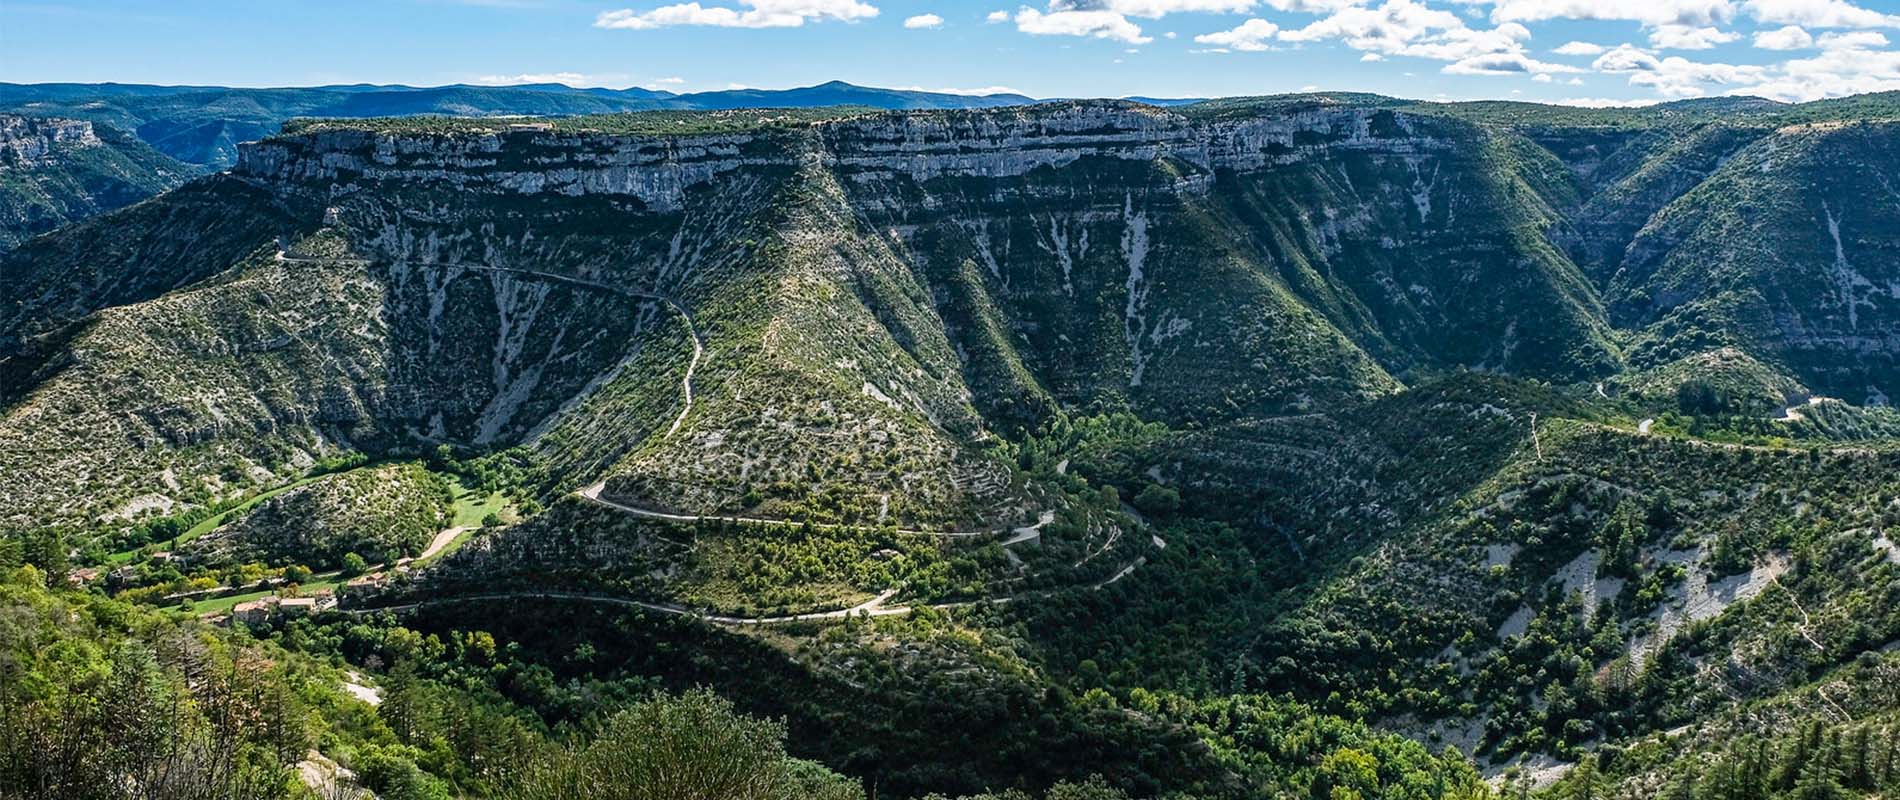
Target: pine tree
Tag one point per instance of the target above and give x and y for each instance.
(1585, 781)
(1820, 779)
(1859, 762)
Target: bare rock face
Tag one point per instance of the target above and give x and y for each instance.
(58, 171)
(990, 144)
(32, 140)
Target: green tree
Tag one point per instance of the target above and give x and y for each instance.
(1158, 500)
(692, 746)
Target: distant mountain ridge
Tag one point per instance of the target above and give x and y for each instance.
(204, 124)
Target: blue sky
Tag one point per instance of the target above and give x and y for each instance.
(1579, 51)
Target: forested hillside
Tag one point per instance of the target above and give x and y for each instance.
(1311, 446)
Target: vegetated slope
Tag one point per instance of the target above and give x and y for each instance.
(1436, 564)
(381, 514)
(824, 283)
(197, 231)
(56, 171)
(234, 383)
(1786, 252)
(1312, 340)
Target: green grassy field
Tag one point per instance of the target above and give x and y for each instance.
(222, 605)
(471, 508)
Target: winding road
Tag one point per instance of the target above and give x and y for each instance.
(592, 491)
(874, 607)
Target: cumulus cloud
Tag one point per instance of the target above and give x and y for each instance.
(924, 21)
(1648, 12)
(1504, 64)
(1251, 35)
(1409, 28)
(997, 16)
(1156, 9)
(576, 79)
(1312, 6)
(1819, 14)
(1063, 19)
(1689, 37)
(1789, 37)
(1832, 73)
(1625, 58)
(1605, 102)
(979, 91)
(1856, 40)
(748, 14)
(1109, 19)
(1579, 49)
(1387, 29)
(1675, 76)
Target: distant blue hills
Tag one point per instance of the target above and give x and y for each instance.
(203, 124)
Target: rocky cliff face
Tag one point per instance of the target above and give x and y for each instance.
(917, 284)
(57, 171)
(658, 170)
(911, 284)
(28, 140)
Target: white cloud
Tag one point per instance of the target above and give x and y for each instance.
(1579, 49)
(997, 16)
(1312, 6)
(753, 14)
(1605, 102)
(577, 79)
(1675, 76)
(1854, 40)
(1251, 35)
(971, 92)
(1156, 9)
(1371, 57)
(1790, 37)
(1409, 28)
(1387, 29)
(1689, 37)
(1063, 20)
(1625, 58)
(1832, 73)
(1819, 14)
(1680, 77)
(924, 21)
(1108, 19)
(1648, 12)
(1504, 64)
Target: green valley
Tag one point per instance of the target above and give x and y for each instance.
(1322, 445)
